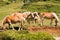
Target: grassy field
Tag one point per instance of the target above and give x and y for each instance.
(33, 6)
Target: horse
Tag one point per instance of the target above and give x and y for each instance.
(49, 15)
(14, 18)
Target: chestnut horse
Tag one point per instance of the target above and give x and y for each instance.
(14, 18)
(50, 15)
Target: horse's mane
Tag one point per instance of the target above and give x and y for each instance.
(27, 13)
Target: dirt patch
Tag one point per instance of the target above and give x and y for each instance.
(51, 30)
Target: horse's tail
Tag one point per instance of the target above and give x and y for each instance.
(56, 16)
(4, 22)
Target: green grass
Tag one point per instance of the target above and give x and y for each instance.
(42, 6)
(24, 35)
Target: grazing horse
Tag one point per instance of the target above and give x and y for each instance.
(15, 18)
(50, 15)
(12, 19)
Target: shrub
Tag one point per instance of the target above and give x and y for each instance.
(14, 35)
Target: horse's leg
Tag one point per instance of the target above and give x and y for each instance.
(11, 25)
(20, 27)
(26, 21)
(56, 22)
(51, 22)
(35, 20)
(42, 21)
(4, 26)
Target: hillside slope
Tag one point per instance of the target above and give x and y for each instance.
(42, 6)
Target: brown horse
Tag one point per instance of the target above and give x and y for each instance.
(14, 18)
(50, 15)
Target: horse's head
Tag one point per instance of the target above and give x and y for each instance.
(32, 15)
(35, 14)
(28, 14)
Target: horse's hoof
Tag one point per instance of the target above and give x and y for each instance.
(13, 29)
(18, 30)
(55, 25)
